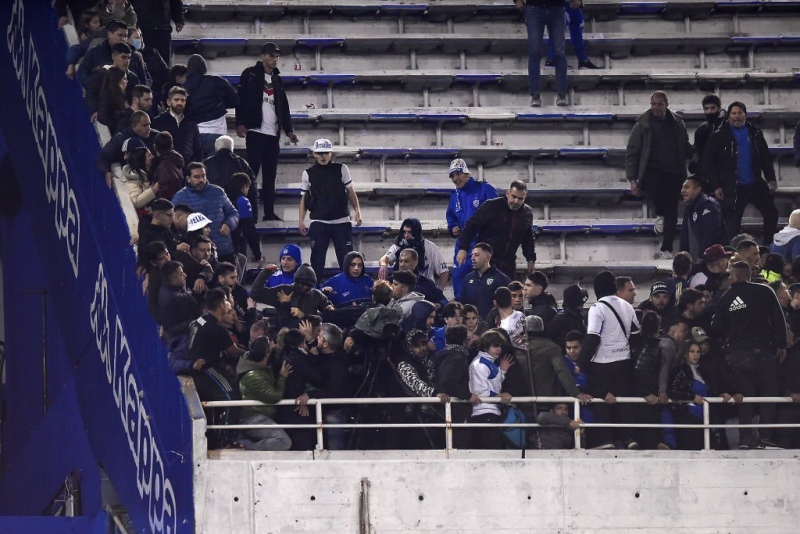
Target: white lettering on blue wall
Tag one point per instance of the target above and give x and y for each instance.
(112, 344)
(67, 217)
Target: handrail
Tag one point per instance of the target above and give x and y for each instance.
(449, 425)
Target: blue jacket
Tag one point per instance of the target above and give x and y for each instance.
(703, 226)
(212, 202)
(479, 290)
(437, 336)
(466, 201)
(348, 290)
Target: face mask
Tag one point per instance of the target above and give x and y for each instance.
(137, 44)
(712, 116)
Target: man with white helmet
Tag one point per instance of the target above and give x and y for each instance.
(464, 201)
(326, 187)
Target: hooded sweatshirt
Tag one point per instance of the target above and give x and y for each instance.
(282, 277)
(785, 244)
(346, 290)
(210, 96)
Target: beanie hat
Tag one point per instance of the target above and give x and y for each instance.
(604, 284)
(575, 296)
(305, 274)
(293, 251)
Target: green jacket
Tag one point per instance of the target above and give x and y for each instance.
(550, 373)
(638, 152)
(257, 383)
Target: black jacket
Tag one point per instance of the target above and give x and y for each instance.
(648, 366)
(452, 372)
(703, 226)
(544, 306)
(251, 89)
(564, 322)
(185, 136)
(704, 133)
(112, 151)
(720, 165)
(210, 96)
(502, 228)
(224, 164)
(681, 378)
(156, 14)
(750, 317)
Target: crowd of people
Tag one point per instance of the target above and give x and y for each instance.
(722, 324)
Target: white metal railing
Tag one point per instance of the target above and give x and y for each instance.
(320, 425)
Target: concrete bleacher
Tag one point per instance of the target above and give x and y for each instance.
(401, 89)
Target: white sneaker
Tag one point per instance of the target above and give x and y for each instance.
(658, 226)
(663, 255)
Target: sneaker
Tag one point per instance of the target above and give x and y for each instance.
(549, 64)
(536, 101)
(562, 100)
(767, 444)
(658, 226)
(744, 447)
(663, 255)
(587, 65)
(604, 447)
(632, 445)
(272, 217)
(662, 447)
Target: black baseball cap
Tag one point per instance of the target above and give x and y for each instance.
(270, 48)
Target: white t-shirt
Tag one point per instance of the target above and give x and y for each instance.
(433, 264)
(614, 344)
(217, 126)
(347, 181)
(269, 119)
(514, 324)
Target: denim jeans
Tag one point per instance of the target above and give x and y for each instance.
(536, 20)
(575, 25)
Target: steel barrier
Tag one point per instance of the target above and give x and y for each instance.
(320, 425)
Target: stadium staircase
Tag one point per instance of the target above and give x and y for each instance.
(401, 89)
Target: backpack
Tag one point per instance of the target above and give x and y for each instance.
(515, 436)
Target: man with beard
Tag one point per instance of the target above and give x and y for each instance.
(658, 301)
(211, 201)
(431, 263)
(185, 133)
(352, 286)
(715, 118)
(505, 224)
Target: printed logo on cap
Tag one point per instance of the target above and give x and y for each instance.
(285, 252)
(323, 145)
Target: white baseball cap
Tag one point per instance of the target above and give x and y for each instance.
(322, 145)
(459, 165)
(196, 221)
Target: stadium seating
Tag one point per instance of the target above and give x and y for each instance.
(402, 89)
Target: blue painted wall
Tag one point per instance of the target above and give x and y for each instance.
(118, 405)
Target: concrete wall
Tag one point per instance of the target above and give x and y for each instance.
(559, 492)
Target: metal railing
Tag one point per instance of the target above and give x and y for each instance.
(320, 425)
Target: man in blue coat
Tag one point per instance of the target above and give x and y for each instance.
(211, 201)
(787, 241)
(464, 201)
(703, 224)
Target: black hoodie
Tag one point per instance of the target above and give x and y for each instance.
(209, 96)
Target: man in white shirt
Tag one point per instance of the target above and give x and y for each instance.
(432, 264)
(262, 113)
(606, 357)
